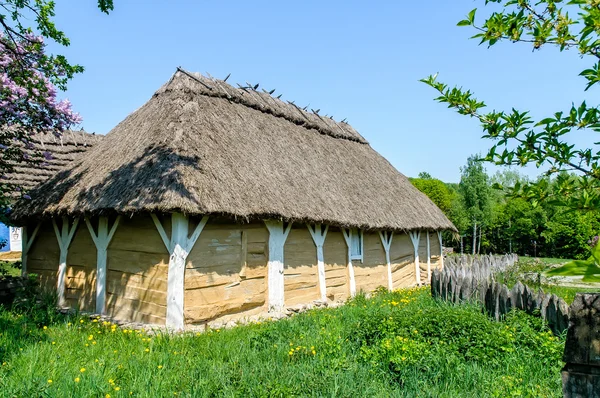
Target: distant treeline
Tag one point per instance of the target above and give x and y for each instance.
(490, 221)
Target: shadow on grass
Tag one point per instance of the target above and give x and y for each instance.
(23, 323)
(16, 332)
(586, 268)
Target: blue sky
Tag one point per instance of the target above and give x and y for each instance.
(355, 60)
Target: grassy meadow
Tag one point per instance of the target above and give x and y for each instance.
(8, 268)
(402, 344)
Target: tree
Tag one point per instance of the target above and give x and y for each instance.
(517, 138)
(435, 190)
(29, 79)
(475, 191)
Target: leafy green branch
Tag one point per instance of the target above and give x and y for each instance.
(517, 138)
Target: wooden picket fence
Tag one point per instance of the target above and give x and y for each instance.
(471, 279)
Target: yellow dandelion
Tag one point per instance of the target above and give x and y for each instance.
(54, 342)
(49, 381)
(107, 396)
(160, 366)
(93, 342)
(81, 321)
(82, 370)
(87, 345)
(4, 364)
(77, 380)
(117, 388)
(111, 381)
(147, 350)
(69, 324)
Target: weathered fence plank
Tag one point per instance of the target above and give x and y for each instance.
(471, 279)
(581, 374)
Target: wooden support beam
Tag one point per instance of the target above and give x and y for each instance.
(439, 234)
(27, 243)
(386, 241)
(277, 236)
(428, 258)
(179, 247)
(318, 234)
(415, 237)
(352, 281)
(64, 236)
(244, 254)
(101, 239)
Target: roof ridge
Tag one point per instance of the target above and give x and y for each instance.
(264, 102)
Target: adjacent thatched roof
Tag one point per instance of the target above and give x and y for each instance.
(64, 149)
(201, 146)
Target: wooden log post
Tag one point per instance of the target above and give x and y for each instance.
(428, 258)
(318, 234)
(386, 241)
(439, 234)
(101, 240)
(179, 247)
(27, 243)
(278, 234)
(64, 237)
(415, 237)
(351, 280)
(581, 374)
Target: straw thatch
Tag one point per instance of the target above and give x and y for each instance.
(64, 149)
(201, 146)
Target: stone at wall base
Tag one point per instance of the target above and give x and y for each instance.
(581, 381)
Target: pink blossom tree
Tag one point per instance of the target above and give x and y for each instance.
(29, 81)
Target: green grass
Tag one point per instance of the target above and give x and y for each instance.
(402, 344)
(553, 261)
(7, 268)
(567, 293)
(586, 268)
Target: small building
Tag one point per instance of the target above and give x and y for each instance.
(214, 202)
(63, 150)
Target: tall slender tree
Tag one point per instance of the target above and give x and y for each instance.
(475, 189)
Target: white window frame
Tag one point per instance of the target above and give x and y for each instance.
(357, 234)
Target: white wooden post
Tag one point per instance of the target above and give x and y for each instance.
(27, 243)
(277, 237)
(415, 236)
(439, 234)
(179, 247)
(101, 240)
(318, 235)
(348, 238)
(428, 259)
(64, 237)
(386, 241)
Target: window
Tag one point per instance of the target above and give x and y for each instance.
(356, 246)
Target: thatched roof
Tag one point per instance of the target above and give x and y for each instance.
(64, 149)
(201, 146)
